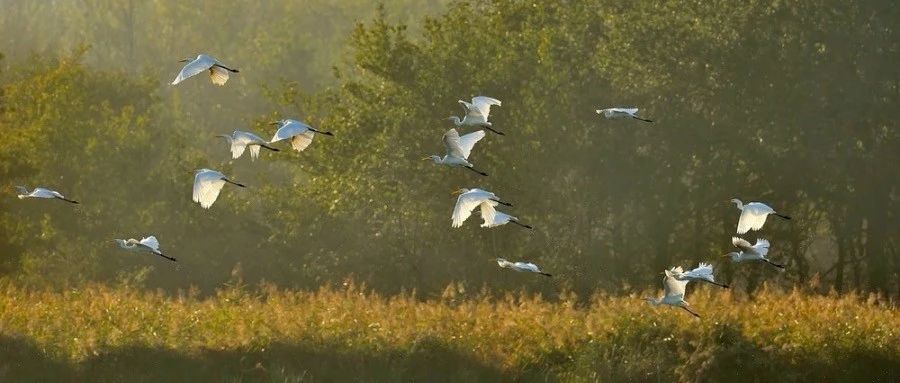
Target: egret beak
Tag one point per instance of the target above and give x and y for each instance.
(275, 123)
(726, 255)
(184, 61)
(426, 158)
(455, 192)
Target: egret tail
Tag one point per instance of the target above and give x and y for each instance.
(476, 171)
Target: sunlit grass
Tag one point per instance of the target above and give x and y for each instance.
(782, 336)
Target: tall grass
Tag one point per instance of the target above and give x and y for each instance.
(99, 333)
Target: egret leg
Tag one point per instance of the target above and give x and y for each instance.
(476, 171)
(521, 224)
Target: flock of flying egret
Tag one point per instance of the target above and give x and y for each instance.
(208, 184)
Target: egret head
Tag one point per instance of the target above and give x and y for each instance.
(21, 196)
(735, 256)
(460, 191)
(435, 158)
(736, 202)
(225, 136)
(455, 120)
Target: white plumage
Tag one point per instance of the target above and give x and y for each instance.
(468, 200)
(23, 193)
(673, 293)
(494, 218)
(753, 215)
(617, 113)
(207, 185)
(755, 252)
(218, 73)
(521, 267)
(703, 272)
(458, 148)
(239, 141)
(300, 134)
(147, 244)
(477, 113)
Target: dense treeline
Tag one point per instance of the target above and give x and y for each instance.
(791, 103)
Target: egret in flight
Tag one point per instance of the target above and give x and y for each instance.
(756, 252)
(703, 272)
(458, 150)
(494, 218)
(241, 140)
(207, 185)
(477, 113)
(218, 73)
(41, 193)
(673, 294)
(521, 267)
(148, 244)
(753, 215)
(617, 113)
(300, 134)
(468, 200)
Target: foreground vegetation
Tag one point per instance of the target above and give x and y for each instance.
(348, 333)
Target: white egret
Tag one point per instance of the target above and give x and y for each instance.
(300, 134)
(148, 244)
(617, 113)
(756, 252)
(521, 267)
(673, 290)
(41, 193)
(458, 150)
(218, 73)
(240, 140)
(753, 215)
(468, 200)
(477, 113)
(703, 272)
(207, 185)
(494, 218)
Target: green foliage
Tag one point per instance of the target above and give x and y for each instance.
(790, 103)
(351, 333)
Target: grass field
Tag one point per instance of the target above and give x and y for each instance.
(98, 333)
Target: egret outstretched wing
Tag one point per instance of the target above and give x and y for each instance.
(753, 217)
(482, 106)
(200, 64)
(207, 185)
(467, 142)
(452, 144)
(673, 287)
(218, 75)
(527, 266)
(468, 201)
(703, 271)
(299, 133)
(150, 242)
